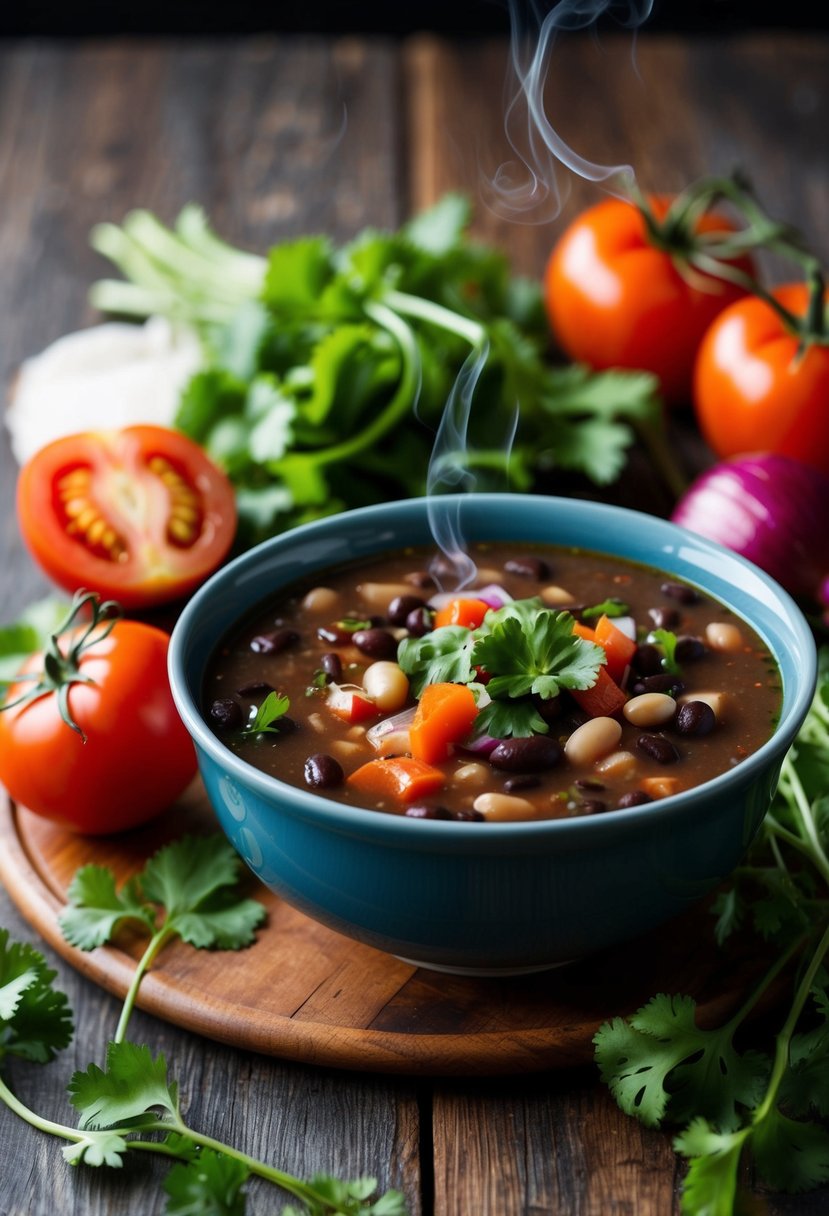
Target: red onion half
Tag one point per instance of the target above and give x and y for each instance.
(771, 509)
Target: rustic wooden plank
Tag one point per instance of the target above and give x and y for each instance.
(257, 131)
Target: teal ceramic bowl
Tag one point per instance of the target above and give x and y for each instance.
(497, 897)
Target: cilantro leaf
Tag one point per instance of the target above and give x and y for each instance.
(440, 227)
(500, 719)
(271, 710)
(442, 656)
(667, 641)
(35, 1020)
(96, 1148)
(210, 1185)
(660, 1055)
(297, 272)
(189, 879)
(711, 1184)
(791, 1156)
(612, 607)
(127, 1092)
(527, 648)
(96, 910)
(351, 1198)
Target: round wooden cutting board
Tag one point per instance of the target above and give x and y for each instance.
(306, 993)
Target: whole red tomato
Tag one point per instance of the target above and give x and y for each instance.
(130, 755)
(759, 387)
(617, 298)
(139, 514)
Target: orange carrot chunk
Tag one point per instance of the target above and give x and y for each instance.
(603, 700)
(444, 715)
(402, 777)
(618, 647)
(461, 611)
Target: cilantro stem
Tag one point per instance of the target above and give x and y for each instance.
(792, 782)
(436, 314)
(157, 942)
(784, 1037)
(38, 1121)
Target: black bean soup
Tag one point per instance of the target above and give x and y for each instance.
(310, 689)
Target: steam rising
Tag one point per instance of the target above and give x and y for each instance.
(529, 188)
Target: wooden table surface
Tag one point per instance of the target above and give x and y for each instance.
(277, 137)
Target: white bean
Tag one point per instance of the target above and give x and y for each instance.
(553, 596)
(722, 635)
(618, 765)
(503, 806)
(387, 685)
(473, 773)
(717, 700)
(650, 709)
(592, 740)
(321, 599)
(380, 595)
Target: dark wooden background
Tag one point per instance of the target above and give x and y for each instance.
(253, 128)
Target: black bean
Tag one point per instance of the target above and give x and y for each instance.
(633, 798)
(592, 806)
(227, 713)
(689, 649)
(658, 748)
(469, 817)
(332, 665)
(533, 754)
(665, 682)
(421, 579)
(422, 810)
(647, 660)
(375, 643)
(680, 592)
(257, 688)
(664, 618)
(335, 635)
(528, 566)
(419, 622)
(323, 771)
(274, 643)
(524, 782)
(402, 605)
(695, 718)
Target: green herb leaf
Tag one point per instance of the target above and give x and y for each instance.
(527, 648)
(270, 711)
(612, 607)
(35, 1019)
(127, 1093)
(502, 719)
(791, 1156)
(442, 656)
(95, 910)
(210, 1185)
(297, 272)
(711, 1185)
(667, 641)
(352, 1198)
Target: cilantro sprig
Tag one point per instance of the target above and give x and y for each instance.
(739, 1102)
(328, 367)
(526, 649)
(187, 890)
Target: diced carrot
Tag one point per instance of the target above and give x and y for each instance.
(618, 647)
(584, 631)
(461, 611)
(444, 715)
(402, 777)
(603, 700)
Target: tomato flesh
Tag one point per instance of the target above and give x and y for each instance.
(140, 515)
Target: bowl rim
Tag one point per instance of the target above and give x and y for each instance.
(364, 820)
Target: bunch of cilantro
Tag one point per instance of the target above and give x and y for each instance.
(131, 1105)
(736, 1101)
(327, 369)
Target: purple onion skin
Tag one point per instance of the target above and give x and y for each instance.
(771, 509)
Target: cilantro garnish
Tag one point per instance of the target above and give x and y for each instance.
(733, 1101)
(611, 607)
(351, 624)
(186, 890)
(270, 711)
(526, 650)
(666, 641)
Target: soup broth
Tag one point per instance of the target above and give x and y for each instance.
(371, 687)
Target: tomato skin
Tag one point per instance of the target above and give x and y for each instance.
(753, 392)
(615, 300)
(118, 486)
(137, 758)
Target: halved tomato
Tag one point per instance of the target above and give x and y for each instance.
(140, 515)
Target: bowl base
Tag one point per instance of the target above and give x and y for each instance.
(484, 972)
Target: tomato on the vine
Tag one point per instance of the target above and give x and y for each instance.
(761, 384)
(93, 740)
(623, 287)
(140, 514)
